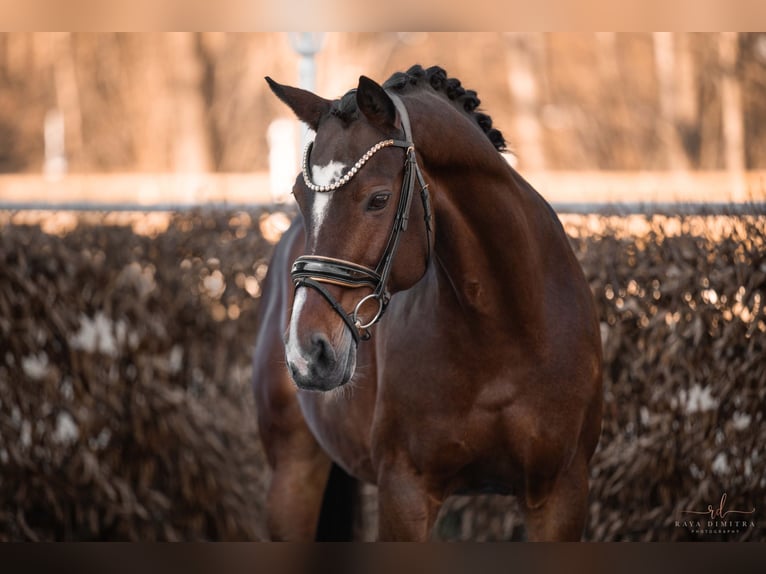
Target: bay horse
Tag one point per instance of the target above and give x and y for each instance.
(424, 324)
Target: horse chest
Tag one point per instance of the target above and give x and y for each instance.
(341, 424)
(450, 410)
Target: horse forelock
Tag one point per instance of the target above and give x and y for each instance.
(345, 108)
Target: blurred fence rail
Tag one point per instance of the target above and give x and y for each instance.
(133, 191)
(569, 191)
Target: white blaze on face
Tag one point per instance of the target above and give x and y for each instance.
(323, 175)
(294, 356)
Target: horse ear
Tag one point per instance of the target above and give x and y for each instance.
(375, 104)
(306, 105)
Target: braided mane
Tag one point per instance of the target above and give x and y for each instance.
(466, 100)
(436, 79)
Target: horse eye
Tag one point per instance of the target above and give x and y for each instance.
(378, 201)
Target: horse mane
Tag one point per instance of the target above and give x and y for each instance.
(434, 78)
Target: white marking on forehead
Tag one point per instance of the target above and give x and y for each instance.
(323, 175)
(294, 356)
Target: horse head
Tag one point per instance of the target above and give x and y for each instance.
(354, 194)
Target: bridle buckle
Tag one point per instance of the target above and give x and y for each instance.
(381, 307)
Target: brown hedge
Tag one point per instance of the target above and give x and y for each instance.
(126, 412)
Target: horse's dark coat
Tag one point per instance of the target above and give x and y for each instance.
(486, 370)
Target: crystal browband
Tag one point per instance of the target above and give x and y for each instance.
(348, 175)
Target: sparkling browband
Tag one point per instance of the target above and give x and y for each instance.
(348, 175)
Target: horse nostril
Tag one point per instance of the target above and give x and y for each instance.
(322, 352)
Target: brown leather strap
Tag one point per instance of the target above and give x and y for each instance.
(306, 282)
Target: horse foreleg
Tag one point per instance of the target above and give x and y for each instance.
(406, 509)
(557, 511)
(295, 495)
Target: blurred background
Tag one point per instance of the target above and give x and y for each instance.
(196, 103)
(144, 179)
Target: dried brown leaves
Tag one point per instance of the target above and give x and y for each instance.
(126, 411)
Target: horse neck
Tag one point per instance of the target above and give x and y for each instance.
(491, 228)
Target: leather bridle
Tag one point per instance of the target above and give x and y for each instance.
(314, 270)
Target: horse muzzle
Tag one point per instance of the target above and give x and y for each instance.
(318, 365)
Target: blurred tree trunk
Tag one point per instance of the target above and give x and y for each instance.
(732, 112)
(147, 94)
(524, 59)
(67, 93)
(670, 95)
(612, 96)
(192, 149)
(686, 107)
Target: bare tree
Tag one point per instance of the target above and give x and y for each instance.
(669, 87)
(525, 53)
(686, 104)
(732, 112)
(192, 148)
(67, 92)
